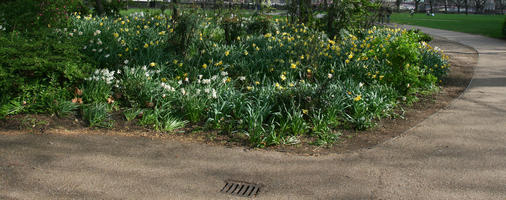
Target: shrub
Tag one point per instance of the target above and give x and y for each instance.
(260, 24)
(27, 63)
(27, 15)
(232, 27)
(350, 15)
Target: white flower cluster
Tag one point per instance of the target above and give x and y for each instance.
(137, 14)
(103, 75)
(167, 87)
(97, 32)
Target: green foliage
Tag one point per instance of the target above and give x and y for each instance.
(421, 36)
(350, 15)
(232, 25)
(276, 84)
(160, 119)
(11, 107)
(131, 113)
(32, 61)
(97, 115)
(28, 15)
(184, 32)
(260, 24)
(139, 87)
(98, 87)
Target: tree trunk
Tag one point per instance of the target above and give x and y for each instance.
(431, 7)
(467, 6)
(458, 5)
(446, 6)
(416, 5)
(100, 7)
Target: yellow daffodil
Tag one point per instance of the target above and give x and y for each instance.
(146, 45)
(293, 66)
(357, 98)
(227, 53)
(204, 66)
(152, 64)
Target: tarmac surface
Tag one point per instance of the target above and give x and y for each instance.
(457, 153)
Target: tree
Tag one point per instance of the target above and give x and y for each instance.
(499, 6)
(431, 6)
(446, 6)
(466, 4)
(398, 5)
(417, 3)
(459, 3)
(479, 5)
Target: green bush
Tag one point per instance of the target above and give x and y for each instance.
(349, 15)
(260, 24)
(26, 62)
(28, 15)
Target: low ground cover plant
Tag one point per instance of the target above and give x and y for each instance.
(269, 80)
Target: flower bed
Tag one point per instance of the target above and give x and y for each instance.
(265, 78)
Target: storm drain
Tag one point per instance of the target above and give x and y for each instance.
(239, 188)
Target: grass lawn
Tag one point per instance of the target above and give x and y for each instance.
(487, 25)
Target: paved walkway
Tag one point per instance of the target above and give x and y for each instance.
(458, 153)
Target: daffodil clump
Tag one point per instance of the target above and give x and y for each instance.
(273, 84)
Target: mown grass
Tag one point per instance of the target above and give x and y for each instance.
(487, 25)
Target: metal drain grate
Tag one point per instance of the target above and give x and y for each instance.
(239, 188)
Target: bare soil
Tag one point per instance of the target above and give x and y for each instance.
(462, 60)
